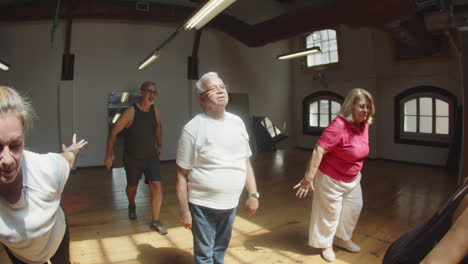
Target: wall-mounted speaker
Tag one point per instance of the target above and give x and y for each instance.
(192, 70)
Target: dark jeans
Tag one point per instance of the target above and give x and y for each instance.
(211, 229)
(61, 256)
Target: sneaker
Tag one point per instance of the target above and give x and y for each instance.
(132, 212)
(347, 244)
(328, 254)
(158, 227)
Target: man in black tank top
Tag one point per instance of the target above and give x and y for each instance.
(142, 147)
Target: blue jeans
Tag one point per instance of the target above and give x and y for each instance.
(211, 229)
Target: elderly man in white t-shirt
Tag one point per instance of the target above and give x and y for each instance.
(213, 167)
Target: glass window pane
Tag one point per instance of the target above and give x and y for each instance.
(325, 46)
(319, 45)
(409, 124)
(442, 108)
(324, 120)
(333, 45)
(324, 107)
(333, 56)
(442, 125)
(425, 124)
(410, 107)
(310, 61)
(335, 109)
(333, 116)
(309, 41)
(326, 57)
(331, 34)
(425, 106)
(324, 34)
(313, 121)
(318, 59)
(313, 108)
(316, 36)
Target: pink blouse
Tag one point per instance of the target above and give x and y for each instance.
(346, 147)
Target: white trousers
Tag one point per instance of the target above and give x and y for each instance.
(336, 207)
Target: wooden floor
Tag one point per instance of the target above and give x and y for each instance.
(397, 197)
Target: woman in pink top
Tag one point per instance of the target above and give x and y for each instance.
(334, 174)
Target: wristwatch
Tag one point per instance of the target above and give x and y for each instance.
(255, 195)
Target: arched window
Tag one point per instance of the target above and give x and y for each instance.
(319, 109)
(424, 116)
(327, 40)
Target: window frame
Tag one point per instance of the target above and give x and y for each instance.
(417, 138)
(322, 67)
(316, 97)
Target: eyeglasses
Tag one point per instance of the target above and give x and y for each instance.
(221, 87)
(151, 91)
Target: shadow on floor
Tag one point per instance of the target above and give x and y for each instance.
(293, 241)
(151, 255)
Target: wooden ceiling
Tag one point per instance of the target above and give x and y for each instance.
(402, 18)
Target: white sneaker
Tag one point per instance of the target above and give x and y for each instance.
(328, 254)
(348, 245)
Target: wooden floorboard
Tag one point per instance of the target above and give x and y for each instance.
(397, 197)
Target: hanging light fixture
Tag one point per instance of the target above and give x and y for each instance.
(4, 66)
(299, 53)
(206, 13)
(150, 59)
(202, 16)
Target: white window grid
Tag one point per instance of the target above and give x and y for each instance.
(326, 40)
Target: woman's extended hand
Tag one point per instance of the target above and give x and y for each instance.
(75, 146)
(303, 187)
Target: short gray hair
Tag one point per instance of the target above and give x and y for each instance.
(12, 101)
(199, 84)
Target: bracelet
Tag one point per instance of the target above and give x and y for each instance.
(307, 179)
(72, 151)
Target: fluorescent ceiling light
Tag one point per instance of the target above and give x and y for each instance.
(203, 15)
(154, 56)
(4, 66)
(124, 97)
(299, 54)
(206, 13)
(116, 117)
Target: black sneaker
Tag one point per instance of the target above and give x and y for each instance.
(132, 212)
(158, 227)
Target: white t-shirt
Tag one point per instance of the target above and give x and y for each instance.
(216, 152)
(33, 227)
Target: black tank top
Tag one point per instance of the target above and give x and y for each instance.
(413, 246)
(140, 137)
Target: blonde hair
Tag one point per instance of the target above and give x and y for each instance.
(347, 108)
(12, 101)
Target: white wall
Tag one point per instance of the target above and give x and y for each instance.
(107, 55)
(36, 71)
(106, 59)
(396, 77)
(368, 63)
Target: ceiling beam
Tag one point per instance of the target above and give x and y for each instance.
(356, 13)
